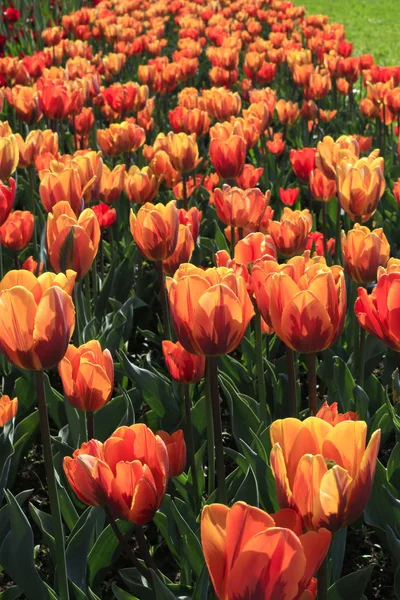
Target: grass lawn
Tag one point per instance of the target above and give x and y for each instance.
(372, 25)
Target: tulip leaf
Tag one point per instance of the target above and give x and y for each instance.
(17, 554)
(242, 416)
(104, 552)
(105, 293)
(189, 538)
(113, 415)
(129, 576)
(165, 522)
(161, 590)
(23, 390)
(5, 512)
(121, 595)
(6, 452)
(201, 589)
(220, 238)
(248, 490)
(337, 550)
(393, 467)
(263, 476)
(11, 593)
(350, 586)
(380, 510)
(79, 544)
(45, 525)
(25, 432)
(393, 543)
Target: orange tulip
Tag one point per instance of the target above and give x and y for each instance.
(254, 246)
(87, 375)
(251, 554)
(176, 449)
(331, 152)
(182, 365)
(287, 112)
(64, 185)
(129, 473)
(325, 472)
(35, 143)
(303, 162)
(249, 177)
(111, 183)
(155, 230)
(121, 138)
(291, 232)
(363, 252)
(8, 409)
(25, 100)
(7, 196)
(192, 219)
(241, 208)
(30, 264)
(9, 156)
(309, 315)
(330, 413)
(183, 250)
(377, 312)
(322, 188)
(361, 184)
(183, 151)
(228, 156)
(89, 165)
(210, 309)
(36, 320)
(16, 232)
(72, 242)
(141, 185)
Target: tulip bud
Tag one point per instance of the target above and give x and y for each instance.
(155, 230)
(8, 409)
(176, 449)
(16, 232)
(290, 234)
(182, 365)
(9, 156)
(364, 251)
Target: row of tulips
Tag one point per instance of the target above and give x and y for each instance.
(199, 304)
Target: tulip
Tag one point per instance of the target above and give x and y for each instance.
(182, 365)
(289, 196)
(155, 230)
(330, 414)
(322, 188)
(8, 409)
(16, 232)
(331, 152)
(249, 177)
(65, 185)
(72, 242)
(318, 242)
(182, 253)
(36, 142)
(87, 375)
(360, 184)
(141, 185)
(121, 138)
(324, 472)
(363, 252)
(176, 449)
(89, 165)
(36, 323)
(303, 162)
(111, 183)
(291, 232)
(106, 216)
(228, 156)
(251, 554)
(241, 208)
(9, 156)
(25, 101)
(7, 196)
(129, 473)
(192, 219)
(277, 145)
(254, 246)
(396, 191)
(210, 309)
(30, 264)
(287, 112)
(183, 151)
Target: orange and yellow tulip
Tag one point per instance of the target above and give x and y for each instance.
(241, 208)
(183, 366)
(36, 142)
(16, 232)
(121, 138)
(183, 151)
(290, 234)
(183, 250)
(324, 472)
(155, 230)
(72, 242)
(363, 252)
(7, 196)
(141, 185)
(331, 414)
(210, 309)
(8, 409)
(251, 554)
(322, 188)
(111, 183)
(36, 320)
(331, 152)
(9, 156)
(64, 185)
(228, 156)
(176, 448)
(25, 100)
(129, 473)
(87, 375)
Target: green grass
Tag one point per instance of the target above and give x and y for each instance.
(371, 25)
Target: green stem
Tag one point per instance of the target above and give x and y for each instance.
(323, 582)
(101, 255)
(31, 172)
(292, 408)
(52, 488)
(324, 230)
(90, 425)
(190, 443)
(312, 382)
(94, 281)
(144, 549)
(337, 237)
(82, 426)
(184, 186)
(163, 300)
(77, 330)
(361, 357)
(87, 298)
(212, 372)
(265, 417)
(210, 439)
(233, 241)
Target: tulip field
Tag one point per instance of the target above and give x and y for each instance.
(199, 304)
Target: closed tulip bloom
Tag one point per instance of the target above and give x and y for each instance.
(254, 246)
(72, 242)
(89, 165)
(361, 184)
(155, 230)
(210, 309)
(303, 162)
(324, 472)
(287, 112)
(25, 101)
(141, 185)
(363, 252)
(183, 251)
(87, 375)
(228, 156)
(16, 232)
(182, 365)
(38, 285)
(308, 316)
(183, 151)
(9, 156)
(129, 473)
(249, 177)
(36, 142)
(111, 183)
(30, 264)
(176, 448)
(106, 216)
(61, 186)
(289, 196)
(121, 138)
(8, 409)
(331, 152)
(322, 188)
(251, 554)
(35, 324)
(241, 208)
(291, 232)
(331, 414)
(192, 219)
(7, 196)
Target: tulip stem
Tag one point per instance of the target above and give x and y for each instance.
(233, 241)
(124, 544)
(184, 187)
(210, 438)
(82, 426)
(190, 443)
(77, 330)
(163, 300)
(212, 371)
(265, 417)
(90, 424)
(337, 238)
(144, 549)
(312, 382)
(292, 409)
(31, 172)
(52, 487)
(324, 230)
(240, 234)
(323, 582)
(361, 357)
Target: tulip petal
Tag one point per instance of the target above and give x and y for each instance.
(278, 467)
(345, 445)
(306, 485)
(315, 546)
(17, 321)
(334, 495)
(213, 540)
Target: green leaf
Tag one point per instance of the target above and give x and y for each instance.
(120, 594)
(129, 576)
(380, 510)
(113, 415)
(243, 418)
(393, 467)
(45, 525)
(189, 538)
(161, 590)
(104, 552)
(201, 590)
(11, 593)
(5, 512)
(337, 550)
(6, 452)
(351, 587)
(17, 552)
(25, 433)
(79, 544)
(263, 476)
